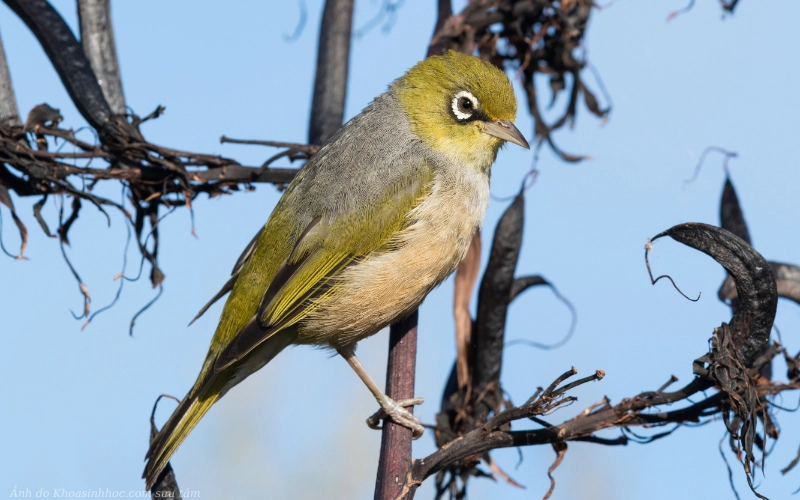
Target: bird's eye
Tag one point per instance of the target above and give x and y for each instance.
(464, 105)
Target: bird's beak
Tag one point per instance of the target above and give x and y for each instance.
(506, 130)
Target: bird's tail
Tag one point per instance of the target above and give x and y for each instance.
(208, 389)
(180, 424)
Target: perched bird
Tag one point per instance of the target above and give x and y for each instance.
(374, 221)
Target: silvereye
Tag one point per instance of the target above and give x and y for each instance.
(376, 219)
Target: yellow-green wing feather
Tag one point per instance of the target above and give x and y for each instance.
(319, 256)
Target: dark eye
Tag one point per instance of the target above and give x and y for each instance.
(464, 105)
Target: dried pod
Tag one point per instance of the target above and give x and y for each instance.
(494, 297)
(755, 283)
(787, 281)
(730, 213)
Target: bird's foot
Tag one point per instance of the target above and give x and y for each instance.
(395, 410)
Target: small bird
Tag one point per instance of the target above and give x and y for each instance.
(376, 219)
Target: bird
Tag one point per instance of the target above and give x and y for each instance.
(373, 221)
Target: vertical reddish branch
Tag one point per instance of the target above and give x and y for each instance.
(395, 459)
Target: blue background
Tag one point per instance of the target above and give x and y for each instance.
(75, 404)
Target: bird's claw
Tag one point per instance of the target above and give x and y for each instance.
(395, 410)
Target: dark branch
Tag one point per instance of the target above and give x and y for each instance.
(495, 433)
(67, 57)
(395, 456)
(330, 81)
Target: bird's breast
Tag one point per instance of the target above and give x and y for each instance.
(388, 284)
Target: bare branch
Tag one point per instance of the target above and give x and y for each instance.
(495, 434)
(9, 114)
(306, 148)
(330, 81)
(395, 457)
(97, 38)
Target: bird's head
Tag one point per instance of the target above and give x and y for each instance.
(460, 106)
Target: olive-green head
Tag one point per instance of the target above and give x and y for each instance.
(460, 106)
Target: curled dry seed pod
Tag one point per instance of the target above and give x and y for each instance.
(787, 281)
(744, 406)
(458, 413)
(730, 213)
(755, 283)
(731, 218)
(493, 299)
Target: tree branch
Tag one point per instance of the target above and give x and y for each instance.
(330, 81)
(97, 38)
(395, 456)
(9, 114)
(67, 57)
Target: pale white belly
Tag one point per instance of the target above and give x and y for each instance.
(385, 287)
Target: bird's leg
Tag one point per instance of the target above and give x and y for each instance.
(390, 408)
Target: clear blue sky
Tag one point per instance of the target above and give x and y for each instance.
(76, 403)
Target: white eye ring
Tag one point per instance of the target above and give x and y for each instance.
(456, 111)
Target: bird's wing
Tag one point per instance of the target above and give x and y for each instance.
(228, 286)
(326, 246)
